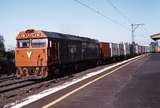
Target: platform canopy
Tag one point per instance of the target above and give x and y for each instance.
(155, 36)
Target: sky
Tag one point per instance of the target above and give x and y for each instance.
(71, 17)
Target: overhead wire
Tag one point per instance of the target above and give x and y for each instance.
(119, 11)
(101, 14)
(123, 15)
(108, 18)
(144, 27)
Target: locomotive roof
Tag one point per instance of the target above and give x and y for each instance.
(42, 34)
(67, 36)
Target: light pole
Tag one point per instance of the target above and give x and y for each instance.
(134, 27)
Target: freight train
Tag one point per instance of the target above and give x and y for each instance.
(41, 53)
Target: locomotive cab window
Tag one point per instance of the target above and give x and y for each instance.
(23, 43)
(38, 43)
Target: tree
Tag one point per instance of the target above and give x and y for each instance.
(2, 46)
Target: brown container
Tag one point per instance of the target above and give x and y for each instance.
(105, 50)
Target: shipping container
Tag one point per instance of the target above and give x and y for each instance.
(121, 49)
(126, 49)
(105, 50)
(136, 49)
(132, 49)
(114, 49)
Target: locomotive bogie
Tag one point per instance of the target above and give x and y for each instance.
(39, 72)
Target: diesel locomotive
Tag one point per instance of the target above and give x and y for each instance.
(41, 53)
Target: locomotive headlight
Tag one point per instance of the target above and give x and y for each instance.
(23, 35)
(37, 34)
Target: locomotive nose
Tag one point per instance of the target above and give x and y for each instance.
(31, 62)
(31, 57)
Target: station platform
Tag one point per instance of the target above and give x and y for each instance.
(133, 85)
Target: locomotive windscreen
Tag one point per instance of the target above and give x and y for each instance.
(35, 43)
(38, 43)
(23, 43)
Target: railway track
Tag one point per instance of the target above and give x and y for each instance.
(6, 78)
(12, 88)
